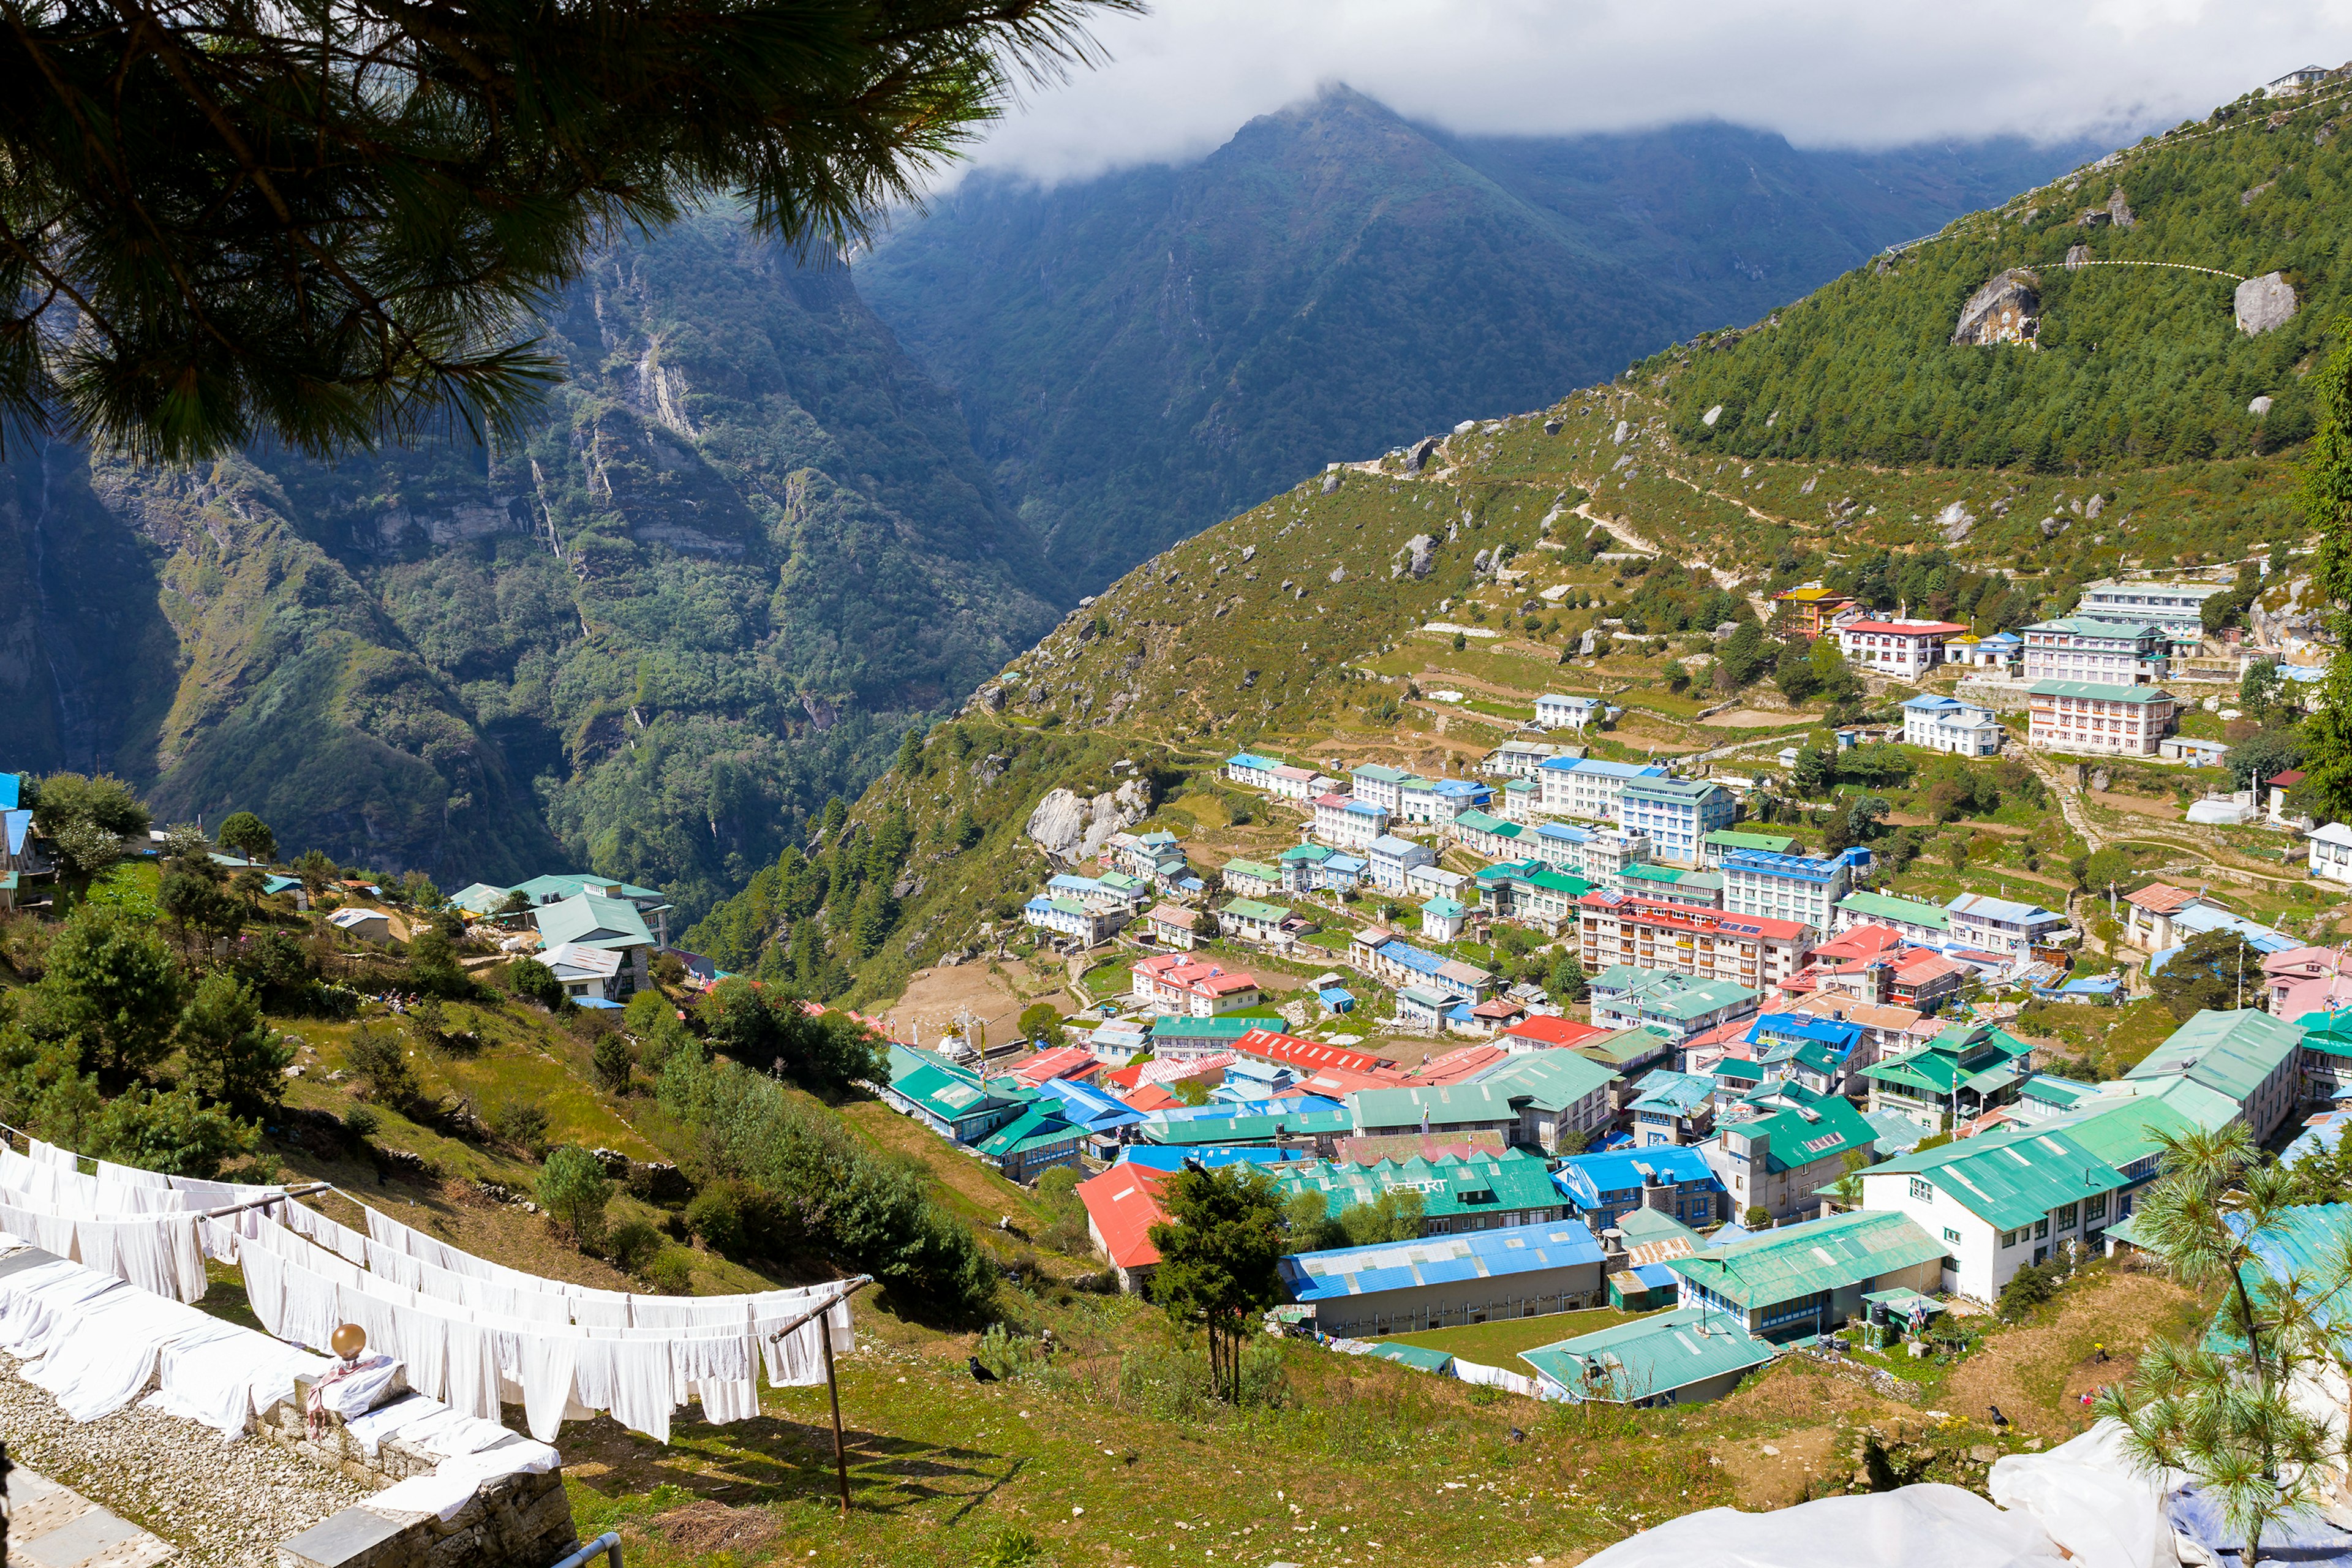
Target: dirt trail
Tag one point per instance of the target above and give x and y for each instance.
(2038, 1374)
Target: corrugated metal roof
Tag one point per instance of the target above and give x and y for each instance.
(1651, 1356)
(1805, 1260)
(2232, 1052)
(1393, 1266)
(2010, 1177)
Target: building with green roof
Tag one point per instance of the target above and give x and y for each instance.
(1799, 1280)
(1782, 1144)
(1179, 1038)
(1674, 1006)
(1914, 921)
(1558, 1094)
(1725, 840)
(1481, 1192)
(608, 925)
(1532, 892)
(1687, 1356)
(1321, 1129)
(1672, 1106)
(951, 1100)
(1672, 885)
(1033, 1142)
(1251, 879)
(2014, 1194)
(2254, 1059)
(1247, 919)
(1957, 1076)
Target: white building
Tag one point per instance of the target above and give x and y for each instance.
(1786, 886)
(1675, 815)
(1906, 650)
(2083, 717)
(1999, 925)
(1945, 724)
(1251, 771)
(1391, 858)
(1348, 823)
(1380, 785)
(1588, 788)
(2086, 647)
(1555, 712)
(2178, 607)
(2331, 852)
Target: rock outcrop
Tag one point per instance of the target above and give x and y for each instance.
(2265, 303)
(1070, 827)
(2002, 311)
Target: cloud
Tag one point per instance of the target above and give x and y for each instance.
(1859, 73)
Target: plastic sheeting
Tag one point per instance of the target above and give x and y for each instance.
(2306, 1539)
(1914, 1527)
(2092, 1499)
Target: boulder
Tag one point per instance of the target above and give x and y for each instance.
(2094, 506)
(1711, 415)
(1339, 574)
(2052, 527)
(1618, 439)
(2002, 311)
(2265, 303)
(2260, 405)
(1418, 459)
(2077, 256)
(1331, 481)
(1551, 426)
(1466, 427)
(1954, 521)
(1422, 548)
(1058, 822)
(1249, 552)
(2119, 211)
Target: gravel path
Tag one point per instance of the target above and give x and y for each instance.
(225, 1505)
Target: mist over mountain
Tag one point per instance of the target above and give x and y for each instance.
(1145, 353)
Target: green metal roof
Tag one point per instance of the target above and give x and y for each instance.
(2059, 1091)
(1625, 1047)
(1228, 1028)
(1250, 1129)
(1824, 1127)
(1680, 790)
(1886, 906)
(1250, 909)
(1446, 1105)
(1821, 1255)
(1250, 869)
(2232, 1052)
(2094, 689)
(1041, 1126)
(1727, 838)
(1665, 994)
(1418, 1357)
(2121, 1131)
(1550, 1080)
(2010, 1177)
(1650, 1356)
(1643, 1226)
(1944, 1064)
(1476, 821)
(1480, 1184)
(591, 919)
(1315, 852)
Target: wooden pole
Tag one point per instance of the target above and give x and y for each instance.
(832, 1393)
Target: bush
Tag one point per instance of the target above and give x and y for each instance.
(573, 1190)
(2027, 1289)
(523, 1124)
(716, 1215)
(361, 1123)
(232, 1056)
(533, 982)
(634, 1244)
(612, 1064)
(379, 1060)
(1011, 1547)
(1757, 1217)
(671, 1273)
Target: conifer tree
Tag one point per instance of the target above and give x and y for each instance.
(2326, 494)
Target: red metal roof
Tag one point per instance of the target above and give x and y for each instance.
(1861, 942)
(1549, 1031)
(1274, 1045)
(1456, 1065)
(1656, 911)
(1149, 1097)
(2161, 899)
(1124, 1203)
(1062, 1061)
(1908, 628)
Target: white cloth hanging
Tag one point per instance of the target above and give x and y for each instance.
(50, 1154)
(130, 1176)
(158, 1256)
(723, 1372)
(547, 1360)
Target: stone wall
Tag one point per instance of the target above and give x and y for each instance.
(334, 1448)
(514, 1521)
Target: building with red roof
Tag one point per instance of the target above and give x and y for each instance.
(1122, 1205)
(1460, 1066)
(1753, 950)
(1075, 1062)
(1185, 988)
(1543, 1032)
(1149, 1097)
(1906, 650)
(1311, 1056)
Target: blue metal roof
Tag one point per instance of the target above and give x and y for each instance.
(1089, 1107)
(1804, 1026)
(1560, 830)
(1806, 868)
(1586, 1177)
(1159, 1157)
(1406, 955)
(1251, 760)
(1472, 1255)
(10, 795)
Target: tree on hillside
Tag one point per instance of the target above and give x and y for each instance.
(334, 222)
(573, 1190)
(87, 820)
(1815, 772)
(1218, 1251)
(2259, 690)
(2326, 494)
(233, 1055)
(242, 833)
(1042, 1021)
(315, 870)
(113, 991)
(2216, 971)
(2221, 1408)
(1567, 981)
(764, 1027)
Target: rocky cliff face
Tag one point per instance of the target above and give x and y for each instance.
(747, 543)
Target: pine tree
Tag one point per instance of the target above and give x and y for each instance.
(335, 221)
(2326, 494)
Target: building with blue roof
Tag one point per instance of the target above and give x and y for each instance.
(1672, 1107)
(1588, 787)
(1603, 1188)
(1405, 1287)
(1251, 771)
(1154, 1157)
(11, 791)
(1788, 887)
(2198, 918)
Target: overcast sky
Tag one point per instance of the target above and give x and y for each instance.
(1868, 73)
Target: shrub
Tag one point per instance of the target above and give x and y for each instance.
(361, 1123)
(521, 1123)
(232, 1056)
(634, 1244)
(573, 1190)
(2027, 1289)
(379, 1060)
(612, 1064)
(172, 1132)
(671, 1273)
(716, 1215)
(1757, 1217)
(1011, 1547)
(534, 981)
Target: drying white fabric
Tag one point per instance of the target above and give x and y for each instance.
(454, 1483)
(394, 1265)
(36, 1303)
(348, 1244)
(723, 1374)
(46, 1231)
(470, 1383)
(50, 1154)
(219, 1238)
(130, 1176)
(223, 1378)
(102, 1359)
(159, 1256)
(63, 1190)
(1927, 1525)
(354, 1391)
(631, 1379)
(546, 1363)
(264, 1290)
(2093, 1498)
(204, 1195)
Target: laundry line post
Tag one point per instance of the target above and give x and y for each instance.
(832, 1384)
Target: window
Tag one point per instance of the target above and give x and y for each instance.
(2041, 1230)
(1951, 1236)
(2096, 1208)
(2066, 1216)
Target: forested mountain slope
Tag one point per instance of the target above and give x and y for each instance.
(1142, 354)
(2132, 364)
(747, 543)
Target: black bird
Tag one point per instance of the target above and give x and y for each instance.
(980, 1373)
(1999, 1422)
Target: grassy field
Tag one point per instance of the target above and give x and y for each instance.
(1499, 1342)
